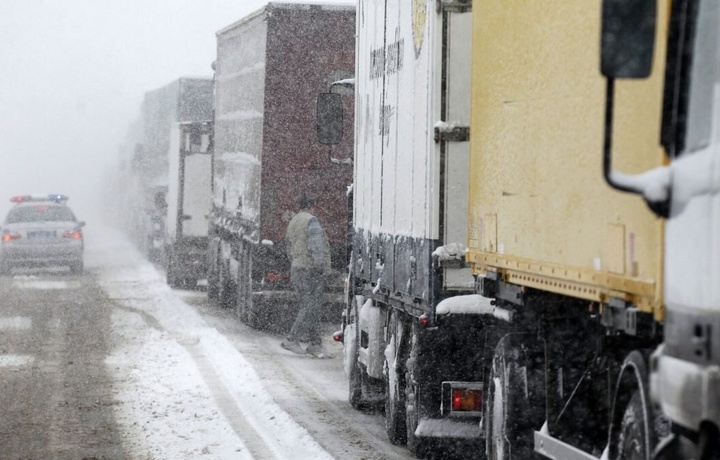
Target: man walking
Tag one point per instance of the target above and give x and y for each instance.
(309, 254)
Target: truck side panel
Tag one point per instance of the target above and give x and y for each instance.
(400, 166)
(239, 117)
(396, 175)
(196, 203)
(395, 112)
(539, 207)
(308, 48)
(174, 179)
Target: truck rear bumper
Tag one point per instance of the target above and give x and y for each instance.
(688, 393)
(448, 428)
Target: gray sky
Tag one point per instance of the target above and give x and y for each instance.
(73, 76)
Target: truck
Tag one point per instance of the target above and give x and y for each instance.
(270, 67)
(188, 203)
(608, 347)
(185, 100)
(409, 347)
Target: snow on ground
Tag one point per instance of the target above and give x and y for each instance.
(183, 390)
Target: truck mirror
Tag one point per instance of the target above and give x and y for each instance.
(628, 38)
(329, 118)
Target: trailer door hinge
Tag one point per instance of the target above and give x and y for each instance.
(452, 134)
(454, 6)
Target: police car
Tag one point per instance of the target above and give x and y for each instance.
(41, 230)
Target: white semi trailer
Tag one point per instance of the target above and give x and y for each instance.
(407, 344)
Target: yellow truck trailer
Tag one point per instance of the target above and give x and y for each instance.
(572, 103)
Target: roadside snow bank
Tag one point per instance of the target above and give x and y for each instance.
(184, 391)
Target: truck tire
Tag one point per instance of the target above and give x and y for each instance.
(171, 275)
(632, 439)
(636, 427)
(395, 412)
(510, 418)
(213, 281)
(350, 353)
(709, 443)
(355, 388)
(226, 295)
(419, 446)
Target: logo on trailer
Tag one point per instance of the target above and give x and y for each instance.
(419, 17)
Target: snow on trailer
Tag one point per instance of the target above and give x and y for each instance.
(270, 67)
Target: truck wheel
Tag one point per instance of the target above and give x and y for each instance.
(709, 443)
(632, 439)
(173, 280)
(508, 412)
(355, 388)
(227, 290)
(213, 281)
(395, 412)
(420, 446)
(636, 427)
(350, 354)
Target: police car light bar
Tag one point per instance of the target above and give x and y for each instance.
(56, 197)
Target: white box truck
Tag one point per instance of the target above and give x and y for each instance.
(407, 344)
(188, 203)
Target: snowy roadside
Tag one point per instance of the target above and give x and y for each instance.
(183, 390)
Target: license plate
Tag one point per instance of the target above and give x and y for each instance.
(40, 235)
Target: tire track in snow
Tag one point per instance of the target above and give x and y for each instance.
(252, 439)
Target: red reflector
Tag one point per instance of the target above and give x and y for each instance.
(466, 400)
(338, 336)
(274, 277)
(424, 321)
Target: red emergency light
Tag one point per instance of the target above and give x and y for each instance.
(56, 197)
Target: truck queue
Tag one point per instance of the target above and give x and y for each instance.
(500, 285)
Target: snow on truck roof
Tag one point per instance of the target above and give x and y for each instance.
(329, 6)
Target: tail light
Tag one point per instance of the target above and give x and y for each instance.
(274, 277)
(467, 400)
(339, 336)
(10, 236)
(462, 399)
(75, 235)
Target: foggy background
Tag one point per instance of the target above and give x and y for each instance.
(73, 77)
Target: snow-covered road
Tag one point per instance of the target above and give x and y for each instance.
(192, 382)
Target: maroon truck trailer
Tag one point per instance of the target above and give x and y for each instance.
(270, 67)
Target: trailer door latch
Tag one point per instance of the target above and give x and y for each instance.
(451, 133)
(454, 6)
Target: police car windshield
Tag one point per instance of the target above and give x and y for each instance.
(40, 213)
